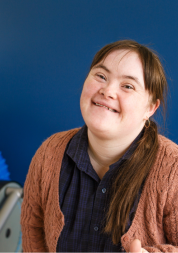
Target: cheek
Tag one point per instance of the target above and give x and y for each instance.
(85, 98)
(82, 99)
(133, 108)
(89, 89)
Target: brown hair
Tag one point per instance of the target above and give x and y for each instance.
(134, 171)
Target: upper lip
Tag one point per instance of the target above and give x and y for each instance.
(105, 104)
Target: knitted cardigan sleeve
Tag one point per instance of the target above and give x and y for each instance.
(168, 204)
(156, 220)
(41, 218)
(32, 216)
(170, 213)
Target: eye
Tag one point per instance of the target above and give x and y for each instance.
(128, 86)
(101, 76)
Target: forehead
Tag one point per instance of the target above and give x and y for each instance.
(121, 57)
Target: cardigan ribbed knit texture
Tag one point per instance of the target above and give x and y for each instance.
(156, 219)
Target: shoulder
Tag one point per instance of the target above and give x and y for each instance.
(167, 146)
(53, 148)
(59, 139)
(50, 154)
(166, 163)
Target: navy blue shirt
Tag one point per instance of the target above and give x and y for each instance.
(84, 199)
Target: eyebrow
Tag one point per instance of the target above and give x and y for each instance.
(134, 78)
(102, 66)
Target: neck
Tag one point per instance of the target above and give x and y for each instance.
(107, 151)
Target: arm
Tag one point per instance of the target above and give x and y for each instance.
(32, 220)
(169, 217)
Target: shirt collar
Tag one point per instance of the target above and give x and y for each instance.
(78, 148)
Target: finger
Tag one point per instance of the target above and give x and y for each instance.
(144, 250)
(135, 246)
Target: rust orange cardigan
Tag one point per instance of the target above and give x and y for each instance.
(156, 219)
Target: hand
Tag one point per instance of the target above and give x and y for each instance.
(135, 246)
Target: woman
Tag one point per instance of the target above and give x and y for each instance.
(111, 185)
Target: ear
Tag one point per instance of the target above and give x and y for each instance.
(152, 109)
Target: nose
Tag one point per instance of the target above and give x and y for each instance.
(109, 91)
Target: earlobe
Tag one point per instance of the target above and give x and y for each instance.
(147, 123)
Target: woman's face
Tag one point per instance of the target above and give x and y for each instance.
(114, 102)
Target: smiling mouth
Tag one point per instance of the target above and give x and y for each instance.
(112, 110)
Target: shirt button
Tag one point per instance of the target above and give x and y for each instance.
(96, 228)
(103, 190)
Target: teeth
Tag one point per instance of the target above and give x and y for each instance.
(111, 110)
(105, 107)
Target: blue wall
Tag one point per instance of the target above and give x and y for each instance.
(46, 47)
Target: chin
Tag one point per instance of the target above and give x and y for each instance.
(100, 130)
